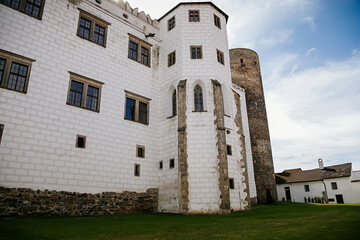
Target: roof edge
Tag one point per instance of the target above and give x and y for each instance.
(195, 3)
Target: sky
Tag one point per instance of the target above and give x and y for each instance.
(309, 53)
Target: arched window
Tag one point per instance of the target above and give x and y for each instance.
(174, 105)
(198, 99)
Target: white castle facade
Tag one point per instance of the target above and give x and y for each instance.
(91, 101)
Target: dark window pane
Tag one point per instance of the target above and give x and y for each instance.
(2, 67)
(130, 109)
(174, 105)
(32, 7)
(142, 112)
(17, 77)
(12, 3)
(75, 95)
(92, 98)
(198, 99)
(133, 50)
(84, 28)
(144, 56)
(99, 34)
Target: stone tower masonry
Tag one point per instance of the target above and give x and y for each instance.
(245, 72)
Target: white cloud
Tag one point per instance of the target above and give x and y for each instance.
(315, 113)
(310, 51)
(280, 37)
(311, 22)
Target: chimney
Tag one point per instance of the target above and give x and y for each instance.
(321, 163)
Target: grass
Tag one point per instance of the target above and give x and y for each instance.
(282, 221)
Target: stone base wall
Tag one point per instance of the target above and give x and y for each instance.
(27, 202)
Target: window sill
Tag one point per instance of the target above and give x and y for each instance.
(146, 124)
(173, 116)
(13, 90)
(98, 111)
(200, 111)
(104, 46)
(139, 62)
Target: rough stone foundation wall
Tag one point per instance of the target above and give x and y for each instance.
(28, 202)
(221, 144)
(245, 72)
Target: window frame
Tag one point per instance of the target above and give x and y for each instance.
(137, 151)
(77, 141)
(201, 107)
(140, 44)
(307, 188)
(217, 21)
(22, 7)
(137, 99)
(172, 163)
(231, 183)
(171, 23)
(220, 57)
(137, 170)
(171, 58)
(334, 186)
(11, 58)
(2, 127)
(229, 150)
(161, 165)
(191, 17)
(196, 47)
(174, 103)
(86, 83)
(94, 20)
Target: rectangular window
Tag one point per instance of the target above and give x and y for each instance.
(136, 108)
(194, 16)
(14, 71)
(217, 21)
(334, 186)
(84, 92)
(80, 141)
(171, 59)
(1, 131)
(307, 188)
(161, 165)
(171, 23)
(92, 28)
(220, 56)
(172, 163)
(137, 170)
(196, 52)
(139, 50)
(33, 8)
(140, 151)
(231, 183)
(228, 149)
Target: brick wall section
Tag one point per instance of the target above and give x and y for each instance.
(27, 202)
(248, 76)
(221, 144)
(243, 161)
(182, 143)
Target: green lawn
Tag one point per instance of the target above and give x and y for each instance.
(282, 221)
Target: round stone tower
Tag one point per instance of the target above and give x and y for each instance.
(245, 72)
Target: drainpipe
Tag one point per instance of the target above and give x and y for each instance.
(321, 167)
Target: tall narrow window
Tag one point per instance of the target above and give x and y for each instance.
(231, 183)
(174, 104)
(198, 99)
(217, 21)
(143, 115)
(136, 108)
(1, 131)
(137, 170)
(171, 59)
(171, 23)
(133, 50)
(76, 92)
(2, 68)
(220, 56)
(145, 56)
(130, 109)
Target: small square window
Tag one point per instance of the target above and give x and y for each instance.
(92, 28)
(80, 141)
(194, 16)
(161, 163)
(137, 170)
(217, 21)
(172, 163)
(242, 62)
(220, 56)
(1, 131)
(196, 52)
(140, 151)
(171, 59)
(229, 150)
(334, 186)
(307, 188)
(231, 183)
(171, 23)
